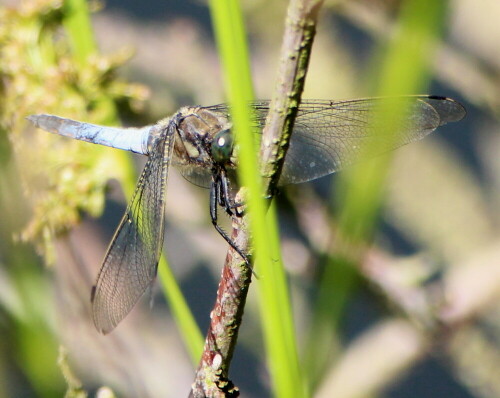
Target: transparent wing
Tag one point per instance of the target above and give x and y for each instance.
(198, 176)
(130, 264)
(328, 135)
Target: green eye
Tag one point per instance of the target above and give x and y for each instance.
(222, 146)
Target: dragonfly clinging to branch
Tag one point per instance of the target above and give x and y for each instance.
(198, 140)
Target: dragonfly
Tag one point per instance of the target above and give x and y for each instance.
(198, 140)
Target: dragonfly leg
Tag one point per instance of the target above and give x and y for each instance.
(215, 200)
(235, 208)
(225, 199)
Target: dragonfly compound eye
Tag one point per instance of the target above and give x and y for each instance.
(222, 146)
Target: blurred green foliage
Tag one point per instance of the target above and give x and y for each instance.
(401, 66)
(60, 179)
(42, 71)
(49, 63)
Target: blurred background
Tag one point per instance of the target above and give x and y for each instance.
(419, 317)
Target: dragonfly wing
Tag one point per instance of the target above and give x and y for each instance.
(329, 135)
(131, 261)
(197, 176)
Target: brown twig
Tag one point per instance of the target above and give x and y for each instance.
(225, 319)
(212, 373)
(299, 34)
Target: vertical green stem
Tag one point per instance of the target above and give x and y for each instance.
(277, 319)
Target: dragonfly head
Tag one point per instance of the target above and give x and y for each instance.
(204, 138)
(222, 146)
